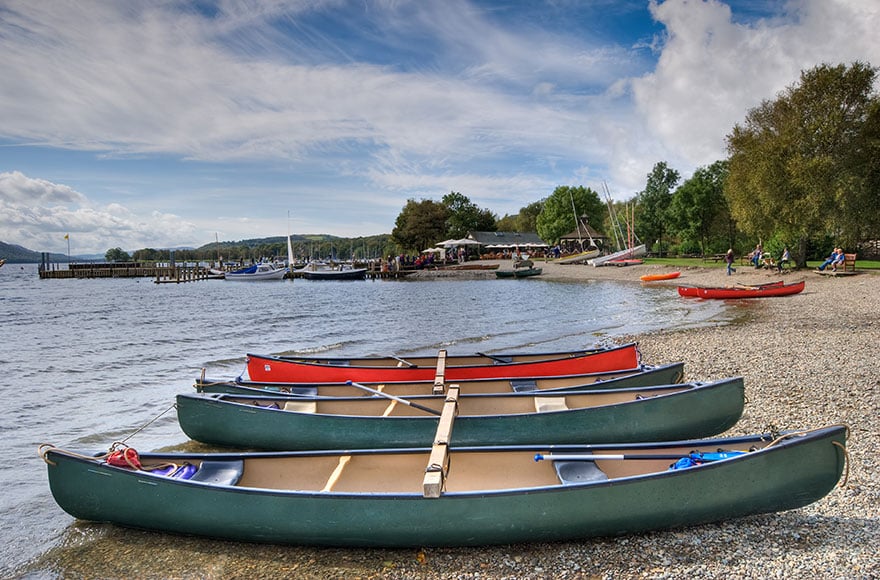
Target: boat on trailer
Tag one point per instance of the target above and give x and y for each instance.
(266, 368)
(449, 496)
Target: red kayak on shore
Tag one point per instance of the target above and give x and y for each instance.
(269, 369)
(774, 289)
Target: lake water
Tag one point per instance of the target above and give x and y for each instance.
(88, 362)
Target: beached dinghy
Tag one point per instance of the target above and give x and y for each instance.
(657, 277)
(383, 421)
(642, 376)
(729, 292)
(271, 369)
(469, 496)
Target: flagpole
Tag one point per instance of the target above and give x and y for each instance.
(67, 237)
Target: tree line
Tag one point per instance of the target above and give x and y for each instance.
(803, 171)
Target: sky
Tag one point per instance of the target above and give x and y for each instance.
(167, 123)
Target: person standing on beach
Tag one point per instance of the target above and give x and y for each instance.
(729, 259)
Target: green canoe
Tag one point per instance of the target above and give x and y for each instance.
(490, 495)
(654, 413)
(642, 376)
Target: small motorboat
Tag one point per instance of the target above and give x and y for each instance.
(258, 272)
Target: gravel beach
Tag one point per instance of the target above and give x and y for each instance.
(808, 361)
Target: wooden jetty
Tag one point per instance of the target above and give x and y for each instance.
(163, 273)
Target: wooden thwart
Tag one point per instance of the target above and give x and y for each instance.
(334, 477)
(440, 374)
(437, 468)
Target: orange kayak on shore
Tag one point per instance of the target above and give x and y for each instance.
(653, 277)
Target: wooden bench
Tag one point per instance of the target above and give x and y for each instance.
(849, 262)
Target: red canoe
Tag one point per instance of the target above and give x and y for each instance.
(742, 291)
(271, 369)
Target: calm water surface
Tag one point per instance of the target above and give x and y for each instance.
(88, 362)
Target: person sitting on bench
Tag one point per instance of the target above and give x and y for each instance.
(784, 259)
(837, 253)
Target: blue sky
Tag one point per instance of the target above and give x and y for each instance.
(165, 123)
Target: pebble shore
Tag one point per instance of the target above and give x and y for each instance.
(808, 361)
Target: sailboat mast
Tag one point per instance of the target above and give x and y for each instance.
(289, 246)
(576, 221)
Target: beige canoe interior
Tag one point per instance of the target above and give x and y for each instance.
(405, 472)
(377, 406)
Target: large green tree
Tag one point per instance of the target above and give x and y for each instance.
(561, 209)
(465, 216)
(117, 255)
(800, 165)
(699, 214)
(654, 203)
(523, 221)
(420, 225)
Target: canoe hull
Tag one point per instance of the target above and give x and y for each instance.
(274, 369)
(657, 277)
(645, 415)
(521, 273)
(790, 475)
(741, 292)
(643, 377)
(353, 274)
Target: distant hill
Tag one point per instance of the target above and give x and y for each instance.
(14, 254)
(255, 242)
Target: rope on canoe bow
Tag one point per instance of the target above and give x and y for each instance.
(781, 437)
(148, 423)
(846, 462)
(44, 448)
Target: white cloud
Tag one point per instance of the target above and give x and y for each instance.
(37, 214)
(262, 113)
(712, 69)
(16, 188)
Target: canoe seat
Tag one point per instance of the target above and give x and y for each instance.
(547, 404)
(501, 360)
(219, 472)
(523, 385)
(308, 406)
(574, 472)
(303, 391)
